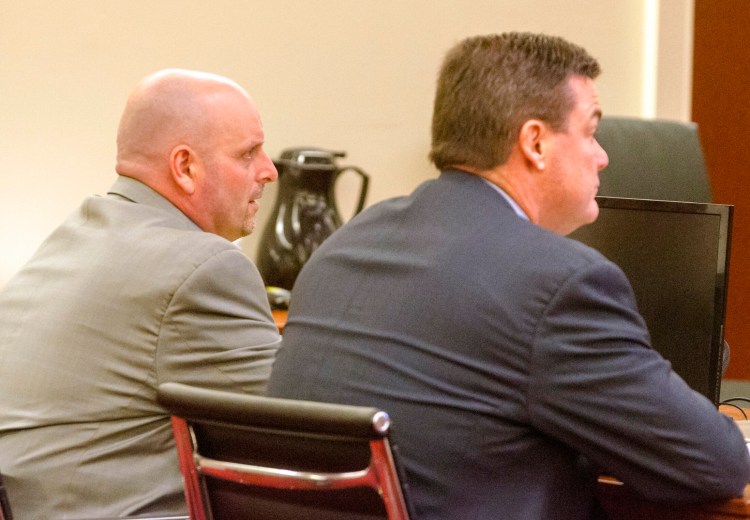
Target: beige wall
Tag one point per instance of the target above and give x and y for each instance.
(355, 75)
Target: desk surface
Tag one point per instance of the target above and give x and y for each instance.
(279, 317)
(621, 504)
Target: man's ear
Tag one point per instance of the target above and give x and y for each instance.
(182, 163)
(531, 142)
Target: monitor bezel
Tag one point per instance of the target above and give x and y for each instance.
(721, 286)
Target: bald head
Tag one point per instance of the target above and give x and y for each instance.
(197, 139)
(166, 109)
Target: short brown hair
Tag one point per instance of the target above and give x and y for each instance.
(489, 86)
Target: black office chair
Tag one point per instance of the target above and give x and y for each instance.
(261, 458)
(653, 159)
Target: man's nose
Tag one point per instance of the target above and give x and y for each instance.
(268, 172)
(603, 157)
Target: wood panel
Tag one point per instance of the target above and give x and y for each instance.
(721, 107)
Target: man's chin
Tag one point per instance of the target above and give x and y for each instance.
(249, 227)
(593, 212)
(589, 218)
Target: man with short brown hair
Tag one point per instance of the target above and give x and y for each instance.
(512, 360)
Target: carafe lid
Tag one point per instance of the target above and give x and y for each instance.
(309, 158)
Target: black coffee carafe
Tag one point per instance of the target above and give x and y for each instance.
(305, 213)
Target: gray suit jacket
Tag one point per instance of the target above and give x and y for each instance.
(513, 362)
(126, 294)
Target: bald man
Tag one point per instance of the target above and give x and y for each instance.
(138, 287)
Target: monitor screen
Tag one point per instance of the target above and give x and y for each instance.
(676, 256)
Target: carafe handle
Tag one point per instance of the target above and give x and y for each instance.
(363, 190)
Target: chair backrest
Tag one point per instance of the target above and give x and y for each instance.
(266, 458)
(5, 513)
(653, 159)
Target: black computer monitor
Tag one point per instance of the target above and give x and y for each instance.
(676, 256)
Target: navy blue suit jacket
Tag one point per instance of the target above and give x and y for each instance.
(513, 362)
